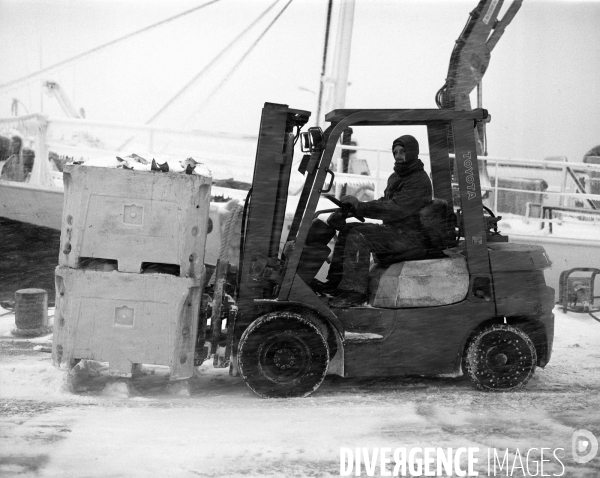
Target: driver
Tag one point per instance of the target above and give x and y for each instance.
(408, 191)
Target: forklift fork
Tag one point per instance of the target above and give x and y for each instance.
(216, 342)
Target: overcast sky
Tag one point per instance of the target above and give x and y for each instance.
(542, 85)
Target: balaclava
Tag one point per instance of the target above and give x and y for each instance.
(411, 146)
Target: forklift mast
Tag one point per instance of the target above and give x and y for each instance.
(265, 208)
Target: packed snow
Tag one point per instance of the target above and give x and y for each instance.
(213, 425)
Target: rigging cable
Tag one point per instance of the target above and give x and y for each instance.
(105, 45)
(237, 65)
(210, 64)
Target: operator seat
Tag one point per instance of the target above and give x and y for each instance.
(433, 279)
(438, 221)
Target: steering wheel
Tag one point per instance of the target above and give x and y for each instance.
(349, 208)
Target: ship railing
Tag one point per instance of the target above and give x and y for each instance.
(230, 155)
(555, 171)
(227, 155)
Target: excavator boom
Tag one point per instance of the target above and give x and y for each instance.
(471, 55)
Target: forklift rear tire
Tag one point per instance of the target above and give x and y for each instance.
(283, 354)
(501, 358)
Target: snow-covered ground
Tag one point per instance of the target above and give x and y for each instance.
(217, 427)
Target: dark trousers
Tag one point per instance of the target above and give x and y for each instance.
(349, 269)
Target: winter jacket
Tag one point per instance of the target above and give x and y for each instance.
(407, 192)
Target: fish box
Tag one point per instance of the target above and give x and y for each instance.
(126, 319)
(129, 220)
(426, 283)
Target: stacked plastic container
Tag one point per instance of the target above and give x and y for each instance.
(131, 268)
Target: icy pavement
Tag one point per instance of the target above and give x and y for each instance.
(216, 427)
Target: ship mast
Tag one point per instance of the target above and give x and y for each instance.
(332, 91)
(335, 81)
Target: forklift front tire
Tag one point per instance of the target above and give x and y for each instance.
(501, 358)
(283, 354)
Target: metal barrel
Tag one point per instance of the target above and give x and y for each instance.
(31, 312)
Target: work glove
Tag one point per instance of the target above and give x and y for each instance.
(350, 200)
(338, 219)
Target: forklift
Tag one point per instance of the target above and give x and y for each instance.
(494, 322)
